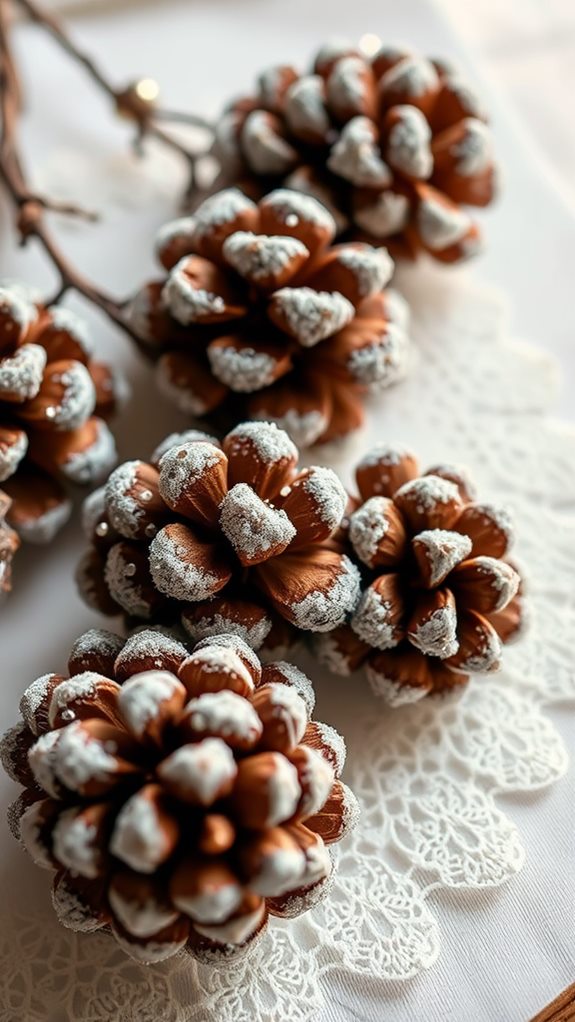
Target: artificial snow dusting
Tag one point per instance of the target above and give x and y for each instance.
(374, 620)
(368, 526)
(311, 315)
(441, 223)
(21, 373)
(356, 156)
(413, 76)
(294, 208)
(141, 697)
(175, 574)
(187, 302)
(182, 467)
(372, 267)
(266, 151)
(262, 258)
(435, 634)
(304, 109)
(322, 610)
(408, 143)
(387, 213)
(255, 529)
(444, 550)
(241, 368)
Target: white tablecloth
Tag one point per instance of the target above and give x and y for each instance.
(505, 952)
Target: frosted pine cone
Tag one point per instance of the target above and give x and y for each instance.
(181, 799)
(259, 317)
(440, 596)
(9, 544)
(227, 538)
(395, 146)
(52, 399)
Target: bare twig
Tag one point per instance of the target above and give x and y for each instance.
(136, 101)
(30, 208)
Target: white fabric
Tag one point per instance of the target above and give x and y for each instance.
(451, 792)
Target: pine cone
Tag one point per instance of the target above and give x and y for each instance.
(50, 388)
(393, 145)
(180, 798)
(223, 536)
(260, 318)
(9, 543)
(440, 596)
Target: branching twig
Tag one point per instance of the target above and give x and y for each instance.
(136, 102)
(30, 208)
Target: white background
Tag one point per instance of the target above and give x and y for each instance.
(506, 952)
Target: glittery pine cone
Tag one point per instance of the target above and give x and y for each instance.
(261, 317)
(395, 146)
(181, 798)
(53, 398)
(440, 597)
(224, 538)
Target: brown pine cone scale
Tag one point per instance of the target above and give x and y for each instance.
(221, 537)
(180, 805)
(440, 597)
(261, 316)
(394, 145)
(53, 400)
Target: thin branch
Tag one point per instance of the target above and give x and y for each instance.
(134, 102)
(30, 210)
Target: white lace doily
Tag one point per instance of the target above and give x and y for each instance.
(428, 775)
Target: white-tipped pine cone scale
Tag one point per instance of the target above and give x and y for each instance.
(54, 398)
(180, 798)
(439, 595)
(396, 146)
(260, 316)
(232, 537)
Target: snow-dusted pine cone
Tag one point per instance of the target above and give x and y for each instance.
(181, 798)
(52, 399)
(9, 543)
(395, 146)
(260, 317)
(440, 597)
(224, 537)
